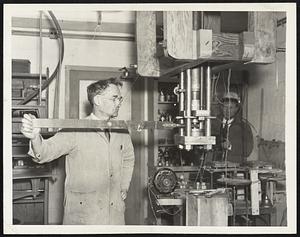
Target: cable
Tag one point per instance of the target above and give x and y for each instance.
(46, 83)
(227, 132)
(151, 204)
(162, 209)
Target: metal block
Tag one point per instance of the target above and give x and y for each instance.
(201, 140)
(201, 113)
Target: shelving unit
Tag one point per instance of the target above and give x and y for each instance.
(30, 180)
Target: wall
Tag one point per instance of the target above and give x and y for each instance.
(78, 52)
(266, 95)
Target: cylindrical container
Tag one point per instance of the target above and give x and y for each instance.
(195, 132)
(161, 96)
(195, 88)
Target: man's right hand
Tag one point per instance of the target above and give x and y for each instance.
(27, 127)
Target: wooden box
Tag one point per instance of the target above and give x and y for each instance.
(202, 211)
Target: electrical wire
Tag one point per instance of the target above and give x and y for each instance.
(162, 209)
(50, 79)
(151, 204)
(227, 132)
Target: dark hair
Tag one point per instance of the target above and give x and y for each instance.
(98, 87)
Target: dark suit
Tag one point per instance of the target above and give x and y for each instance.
(240, 136)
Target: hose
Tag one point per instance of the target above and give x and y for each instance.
(61, 56)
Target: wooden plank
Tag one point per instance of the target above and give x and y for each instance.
(226, 45)
(67, 25)
(263, 24)
(147, 60)
(102, 124)
(179, 34)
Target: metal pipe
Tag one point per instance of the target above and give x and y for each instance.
(181, 103)
(201, 123)
(208, 92)
(181, 93)
(201, 87)
(40, 59)
(188, 102)
(195, 89)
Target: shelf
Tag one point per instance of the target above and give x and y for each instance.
(27, 75)
(27, 106)
(22, 98)
(20, 145)
(180, 168)
(21, 156)
(39, 199)
(31, 173)
(167, 102)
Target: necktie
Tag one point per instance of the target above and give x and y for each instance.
(224, 131)
(107, 134)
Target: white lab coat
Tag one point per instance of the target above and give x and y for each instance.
(96, 172)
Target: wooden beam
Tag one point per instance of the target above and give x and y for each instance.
(148, 64)
(226, 45)
(179, 34)
(66, 25)
(263, 24)
(101, 124)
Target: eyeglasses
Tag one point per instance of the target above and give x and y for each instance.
(115, 99)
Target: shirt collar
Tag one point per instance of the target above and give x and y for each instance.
(227, 121)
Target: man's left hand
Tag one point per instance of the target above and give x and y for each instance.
(123, 194)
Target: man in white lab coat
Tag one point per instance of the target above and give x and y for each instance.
(99, 164)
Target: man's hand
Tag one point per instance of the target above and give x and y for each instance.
(226, 145)
(27, 127)
(123, 194)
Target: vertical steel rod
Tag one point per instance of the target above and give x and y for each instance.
(188, 104)
(201, 87)
(40, 58)
(181, 94)
(181, 105)
(208, 92)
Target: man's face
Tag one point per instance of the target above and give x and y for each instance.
(111, 100)
(230, 108)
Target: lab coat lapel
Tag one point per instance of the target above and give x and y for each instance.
(100, 132)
